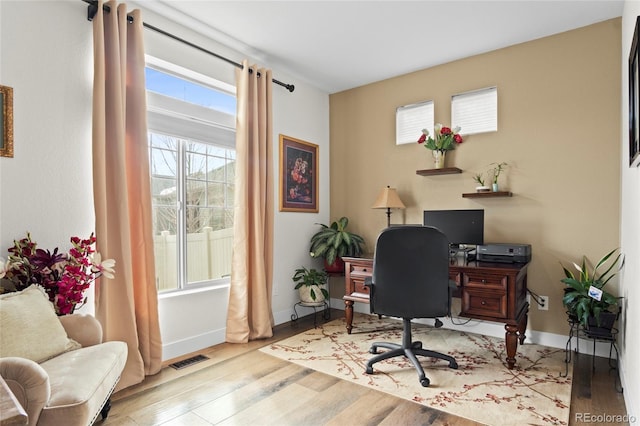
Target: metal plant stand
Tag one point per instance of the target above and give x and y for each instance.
(596, 335)
(325, 311)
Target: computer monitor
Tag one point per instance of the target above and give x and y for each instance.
(462, 227)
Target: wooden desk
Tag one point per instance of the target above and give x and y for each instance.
(488, 291)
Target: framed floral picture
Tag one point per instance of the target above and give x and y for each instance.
(634, 102)
(6, 123)
(298, 175)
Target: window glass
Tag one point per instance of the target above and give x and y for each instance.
(192, 164)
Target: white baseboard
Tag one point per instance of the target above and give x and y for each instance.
(487, 328)
(192, 344)
(496, 329)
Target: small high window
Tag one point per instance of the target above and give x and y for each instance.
(411, 119)
(475, 111)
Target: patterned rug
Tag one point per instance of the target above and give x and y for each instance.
(482, 389)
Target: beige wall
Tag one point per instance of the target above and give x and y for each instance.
(558, 115)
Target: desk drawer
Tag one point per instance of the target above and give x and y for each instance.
(485, 281)
(359, 286)
(361, 270)
(484, 303)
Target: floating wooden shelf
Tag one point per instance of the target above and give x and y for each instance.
(488, 194)
(444, 171)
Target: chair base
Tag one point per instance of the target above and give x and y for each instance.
(409, 350)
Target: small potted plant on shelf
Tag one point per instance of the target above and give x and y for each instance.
(585, 298)
(333, 242)
(497, 169)
(310, 284)
(479, 179)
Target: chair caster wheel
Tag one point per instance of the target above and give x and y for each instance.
(369, 370)
(453, 365)
(425, 382)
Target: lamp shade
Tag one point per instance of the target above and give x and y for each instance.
(388, 199)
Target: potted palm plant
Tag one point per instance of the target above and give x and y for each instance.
(585, 297)
(310, 285)
(333, 242)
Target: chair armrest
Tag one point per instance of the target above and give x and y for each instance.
(84, 329)
(28, 382)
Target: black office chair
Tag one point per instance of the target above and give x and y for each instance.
(410, 280)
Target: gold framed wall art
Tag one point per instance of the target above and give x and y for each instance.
(6, 124)
(298, 175)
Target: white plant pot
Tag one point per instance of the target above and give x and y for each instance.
(482, 189)
(305, 294)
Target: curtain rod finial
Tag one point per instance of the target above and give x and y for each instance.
(92, 10)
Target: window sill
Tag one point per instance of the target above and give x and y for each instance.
(184, 292)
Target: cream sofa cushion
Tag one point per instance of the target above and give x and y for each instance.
(30, 326)
(81, 382)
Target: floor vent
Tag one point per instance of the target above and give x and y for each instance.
(189, 361)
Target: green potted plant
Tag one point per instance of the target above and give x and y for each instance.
(497, 169)
(479, 179)
(310, 285)
(333, 242)
(585, 297)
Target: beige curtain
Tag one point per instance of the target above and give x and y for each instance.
(250, 316)
(127, 305)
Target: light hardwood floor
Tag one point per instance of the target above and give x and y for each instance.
(239, 385)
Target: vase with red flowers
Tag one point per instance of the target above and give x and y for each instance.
(445, 139)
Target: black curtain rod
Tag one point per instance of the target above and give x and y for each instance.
(93, 9)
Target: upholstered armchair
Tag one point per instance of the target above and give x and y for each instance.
(57, 368)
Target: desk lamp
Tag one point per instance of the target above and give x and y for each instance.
(388, 199)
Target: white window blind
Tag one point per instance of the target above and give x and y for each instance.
(476, 111)
(411, 119)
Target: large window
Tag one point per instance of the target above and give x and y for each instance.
(191, 120)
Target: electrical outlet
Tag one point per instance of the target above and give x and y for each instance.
(544, 303)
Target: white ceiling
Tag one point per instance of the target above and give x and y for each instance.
(338, 45)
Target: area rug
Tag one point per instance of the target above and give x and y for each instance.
(482, 389)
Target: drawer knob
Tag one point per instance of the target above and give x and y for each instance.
(484, 281)
(483, 303)
(364, 269)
